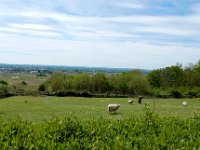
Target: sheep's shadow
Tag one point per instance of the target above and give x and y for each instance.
(114, 113)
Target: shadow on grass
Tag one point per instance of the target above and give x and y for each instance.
(1, 113)
(115, 113)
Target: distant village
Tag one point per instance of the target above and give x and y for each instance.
(43, 70)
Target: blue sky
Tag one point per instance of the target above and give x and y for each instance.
(148, 34)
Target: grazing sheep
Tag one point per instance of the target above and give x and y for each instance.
(140, 99)
(130, 101)
(184, 103)
(113, 107)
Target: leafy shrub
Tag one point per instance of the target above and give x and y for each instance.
(148, 132)
(67, 93)
(3, 82)
(3, 91)
(86, 94)
(41, 88)
(192, 94)
(176, 94)
(23, 83)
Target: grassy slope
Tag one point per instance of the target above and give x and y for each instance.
(40, 108)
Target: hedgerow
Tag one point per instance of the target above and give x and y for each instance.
(151, 131)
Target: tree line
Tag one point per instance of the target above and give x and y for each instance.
(174, 81)
(127, 83)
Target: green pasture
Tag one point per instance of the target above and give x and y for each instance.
(16, 78)
(42, 108)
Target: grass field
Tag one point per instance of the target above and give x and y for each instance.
(16, 78)
(41, 108)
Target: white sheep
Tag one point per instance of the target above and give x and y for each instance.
(184, 103)
(113, 107)
(130, 101)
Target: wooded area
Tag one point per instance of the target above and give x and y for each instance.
(174, 81)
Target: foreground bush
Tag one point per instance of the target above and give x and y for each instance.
(148, 132)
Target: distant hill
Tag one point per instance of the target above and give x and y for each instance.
(25, 68)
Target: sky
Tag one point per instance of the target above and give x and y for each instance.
(138, 34)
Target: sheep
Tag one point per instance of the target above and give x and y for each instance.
(113, 107)
(140, 99)
(130, 101)
(184, 103)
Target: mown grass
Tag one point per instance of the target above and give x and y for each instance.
(41, 108)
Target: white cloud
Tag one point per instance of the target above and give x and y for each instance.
(108, 54)
(30, 32)
(49, 35)
(135, 5)
(76, 25)
(100, 35)
(174, 31)
(61, 17)
(30, 26)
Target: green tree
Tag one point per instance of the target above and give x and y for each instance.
(2, 82)
(82, 82)
(68, 82)
(41, 88)
(154, 78)
(23, 83)
(56, 82)
(3, 88)
(99, 83)
(197, 67)
(119, 83)
(138, 83)
(171, 76)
